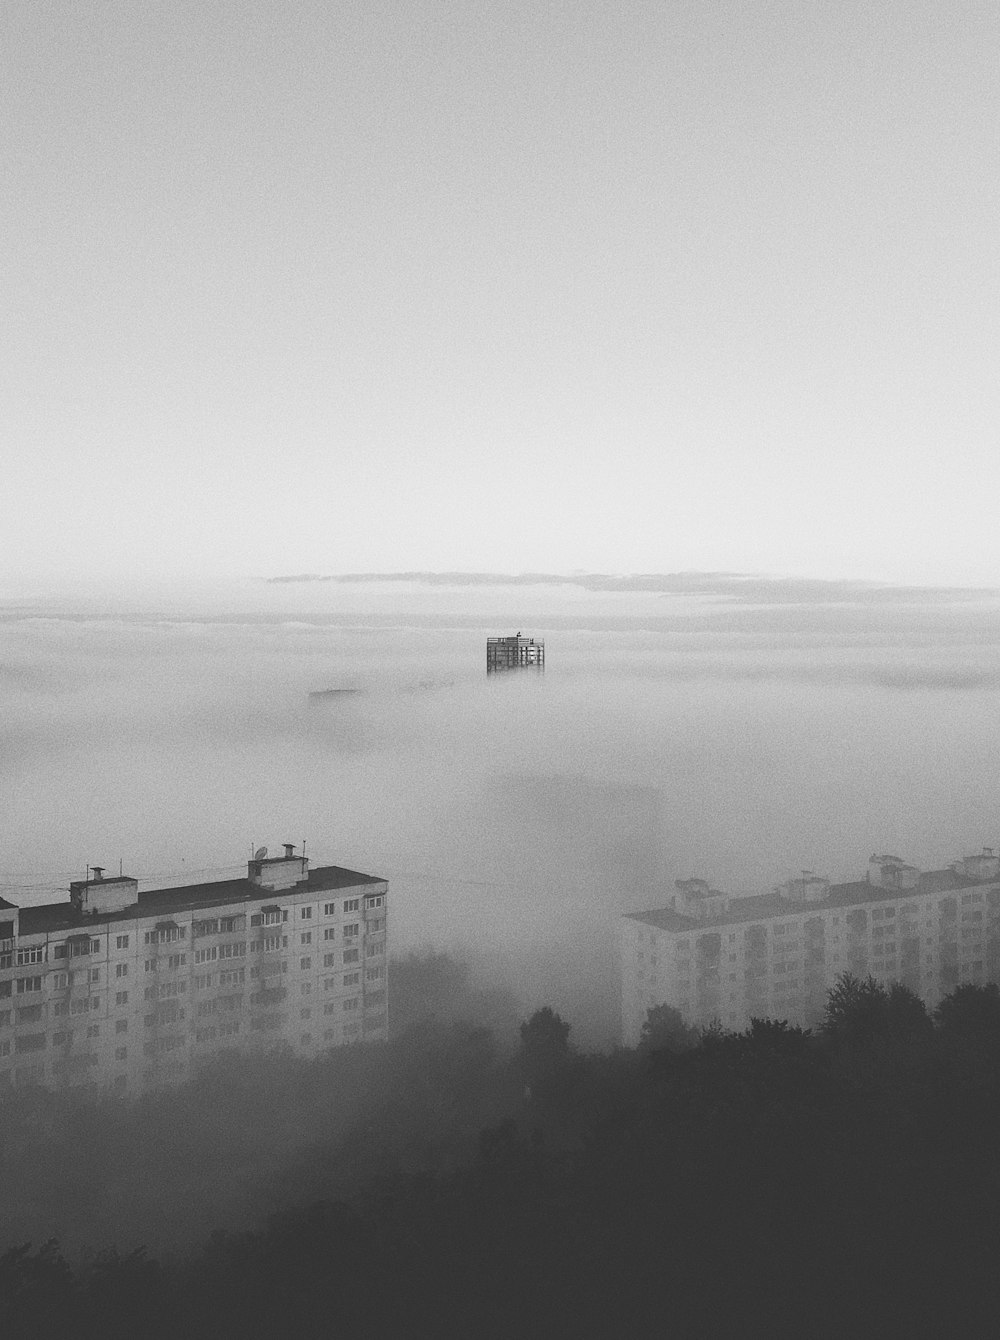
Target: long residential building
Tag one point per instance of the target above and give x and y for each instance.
(713, 956)
(131, 990)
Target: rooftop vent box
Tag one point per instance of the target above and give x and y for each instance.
(277, 872)
(982, 867)
(97, 894)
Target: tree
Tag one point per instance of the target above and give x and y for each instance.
(664, 1030)
(544, 1044)
(907, 1015)
(971, 1012)
(860, 1012)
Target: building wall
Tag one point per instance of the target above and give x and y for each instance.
(138, 1001)
(783, 966)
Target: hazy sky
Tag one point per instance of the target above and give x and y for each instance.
(294, 285)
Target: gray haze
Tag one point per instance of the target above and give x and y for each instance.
(673, 734)
(304, 286)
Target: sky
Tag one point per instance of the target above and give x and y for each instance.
(542, 285)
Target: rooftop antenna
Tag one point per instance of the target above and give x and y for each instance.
(121, 866)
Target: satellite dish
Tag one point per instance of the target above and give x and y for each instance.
(260, 853)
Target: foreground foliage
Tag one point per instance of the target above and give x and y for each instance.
(766, 1182)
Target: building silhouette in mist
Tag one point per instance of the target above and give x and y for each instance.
(514, 653)
(776, 955)
(131, 990)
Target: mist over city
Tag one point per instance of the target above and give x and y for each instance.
(499, 667)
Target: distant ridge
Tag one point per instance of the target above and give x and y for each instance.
(746, 588)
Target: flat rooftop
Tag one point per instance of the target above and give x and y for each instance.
(52, 917)
(766, 906)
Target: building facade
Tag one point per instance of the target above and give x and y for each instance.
(131, 990)
(776, 955)
(514, 653)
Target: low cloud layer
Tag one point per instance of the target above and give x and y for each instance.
(742, 588)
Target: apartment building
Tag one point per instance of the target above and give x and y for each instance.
(776, 955)
(131, 990)
(516, 652)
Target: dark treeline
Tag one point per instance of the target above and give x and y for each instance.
(773, 1181)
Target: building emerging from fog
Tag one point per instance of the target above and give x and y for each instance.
(514, 653)
(776, 955)
(131, 990)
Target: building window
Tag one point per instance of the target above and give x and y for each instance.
(352, 929)
(121, 1054)
(351, 978)
(93, 1030)
(351, 955)
(30, 956)
(352, 905)
(60, 980)
(305, 1014)
(95, 946)
(121, 942)
(121, 997)
(25, 984)
(306, 913)
(121, 1025)
(374, 902)
(306, 989)
(177, 960)
(306, 938)
(121, 969)
(61, 951)
(305, 964)
(351, 1004)
(95, 975)
(329, 909)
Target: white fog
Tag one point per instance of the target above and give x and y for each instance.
(732, 731)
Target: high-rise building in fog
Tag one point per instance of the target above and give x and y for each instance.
(514, 653)
(131, 990)
(776, 955)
